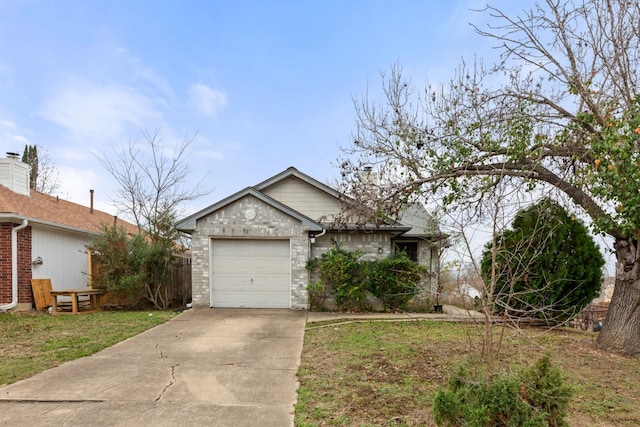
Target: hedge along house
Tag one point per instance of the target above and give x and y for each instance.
(251, 248)
(42, 237)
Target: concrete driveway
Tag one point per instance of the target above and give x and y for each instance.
(217, 367)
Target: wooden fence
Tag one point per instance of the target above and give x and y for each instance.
(179, 292)
(591, 314)
(176, 294)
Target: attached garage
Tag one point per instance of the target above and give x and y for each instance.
(251, 249)
(252, 273)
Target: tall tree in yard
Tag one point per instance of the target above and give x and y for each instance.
(152, 180)
(560, 110)
(153, 183)
(43, 176)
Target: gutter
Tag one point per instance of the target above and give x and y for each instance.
(14, 266)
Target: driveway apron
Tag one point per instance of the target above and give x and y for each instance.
(218, 367)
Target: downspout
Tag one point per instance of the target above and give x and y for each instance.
(324, 231)
(14, 266)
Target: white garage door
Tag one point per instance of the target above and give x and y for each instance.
(250, 273)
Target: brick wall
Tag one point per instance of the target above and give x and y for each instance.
(25, 295)
(5, 263)
(24, 264)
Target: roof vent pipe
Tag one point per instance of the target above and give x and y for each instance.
(91, 197)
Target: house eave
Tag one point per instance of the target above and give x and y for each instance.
(8, 217)
(351, 227)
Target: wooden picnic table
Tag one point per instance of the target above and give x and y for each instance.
(93, 294)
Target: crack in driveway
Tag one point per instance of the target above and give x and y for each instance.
(171, 382)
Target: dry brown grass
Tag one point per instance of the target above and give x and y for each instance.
(387, 373)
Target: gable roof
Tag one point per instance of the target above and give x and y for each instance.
(189, 223)
(421, 222)
(52, 211)
(291, 171)
(418, 229)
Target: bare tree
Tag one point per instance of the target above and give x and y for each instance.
(44, 176)
(152, 181)
(561, 109)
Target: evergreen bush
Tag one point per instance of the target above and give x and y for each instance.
(536, 397)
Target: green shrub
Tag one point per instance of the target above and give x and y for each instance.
(134, 266)
(535, 397)
(340, 271)
(546, 266)
(395, 279)
(317, 296)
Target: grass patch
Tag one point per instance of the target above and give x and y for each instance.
(34, 342)
(387, 373)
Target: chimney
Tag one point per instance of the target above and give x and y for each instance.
(14, 174)
(368, 176)
(91, 202)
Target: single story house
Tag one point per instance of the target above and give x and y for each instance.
(251, 248)
(42, 237)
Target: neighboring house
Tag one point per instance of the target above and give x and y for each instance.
(469, 291)
(42, 236)
(251, 248)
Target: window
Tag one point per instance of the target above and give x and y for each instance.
(410, 248)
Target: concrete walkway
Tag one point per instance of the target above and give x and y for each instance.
(217, 367)
(449, 313)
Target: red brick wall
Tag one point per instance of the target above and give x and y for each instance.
(5, 263)
(24, 264)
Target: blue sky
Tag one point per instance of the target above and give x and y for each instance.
(263, 85)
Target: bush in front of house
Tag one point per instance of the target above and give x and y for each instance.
(536, 397)
(394, 280)
(136, 267)
(340, 271)
(317, 296)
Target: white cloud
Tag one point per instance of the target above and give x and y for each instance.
(10, 135)
(205, 100)
(206, 150)
(101, 113)
(143, 73)
(7, 124)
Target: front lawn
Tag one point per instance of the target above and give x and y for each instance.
(387, 373)
(33, 342)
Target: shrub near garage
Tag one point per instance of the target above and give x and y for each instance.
(340, 271)
(395, 279)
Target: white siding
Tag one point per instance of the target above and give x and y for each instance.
(15, 176)
(64, 257)
(305, 198)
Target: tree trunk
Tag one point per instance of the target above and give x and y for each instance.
(621, 330)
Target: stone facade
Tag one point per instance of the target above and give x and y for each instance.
(231, 221)
(372, 245)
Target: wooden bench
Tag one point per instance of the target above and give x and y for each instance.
(93, 294)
